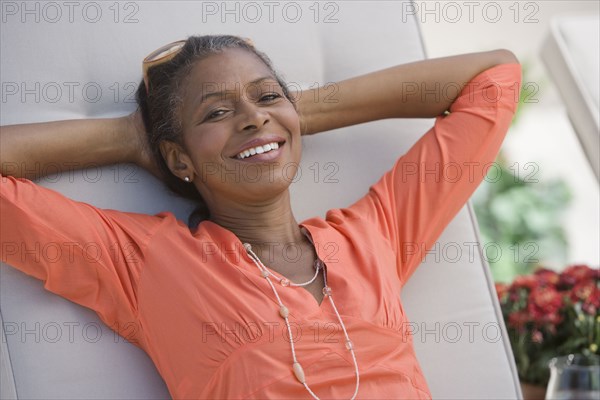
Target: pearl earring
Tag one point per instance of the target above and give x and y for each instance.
(187, 179)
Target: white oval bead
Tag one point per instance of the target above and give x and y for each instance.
(264, 273)
(284, 312)
(299, 372)
(247, 246)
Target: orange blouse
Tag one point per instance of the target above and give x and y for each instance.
(197, 304)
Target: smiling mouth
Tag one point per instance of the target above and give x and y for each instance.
(264, 152)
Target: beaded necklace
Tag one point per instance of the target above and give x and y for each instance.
(284, 313)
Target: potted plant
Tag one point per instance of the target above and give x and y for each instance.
(550, 314)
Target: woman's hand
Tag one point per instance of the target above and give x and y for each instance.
(295, 97)
(141, 154)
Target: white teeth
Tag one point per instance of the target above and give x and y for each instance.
(258, 150)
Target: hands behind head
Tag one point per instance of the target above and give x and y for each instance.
(140, 149)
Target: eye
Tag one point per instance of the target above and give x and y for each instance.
(270, 97)
(216, 114)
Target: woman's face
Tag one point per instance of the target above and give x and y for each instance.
(232, 103)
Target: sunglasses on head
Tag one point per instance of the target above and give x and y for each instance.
(159, 56)
(166, 53)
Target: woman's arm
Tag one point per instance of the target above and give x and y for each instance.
(34, 219)
(422, 89)
(30, 150)
(415, 200)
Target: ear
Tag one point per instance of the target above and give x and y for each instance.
(177, 159)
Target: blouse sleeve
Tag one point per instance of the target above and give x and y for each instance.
(88, 255)
(413, 202)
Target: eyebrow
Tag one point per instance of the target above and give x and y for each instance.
(207, 96)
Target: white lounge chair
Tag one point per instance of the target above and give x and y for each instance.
(52, 348)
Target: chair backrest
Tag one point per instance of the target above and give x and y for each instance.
(83, 60)
(572, 57)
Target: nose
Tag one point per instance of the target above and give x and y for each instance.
(252, 116)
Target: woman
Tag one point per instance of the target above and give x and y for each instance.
(220, 313)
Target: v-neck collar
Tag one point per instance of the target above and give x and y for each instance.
(247, 266)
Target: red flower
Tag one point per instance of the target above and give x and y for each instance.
(582, 291)
(546, 299)
(589, 293)
(525, 281)
(518, 319)
(577, 273)
(544, 303)
(547, 277)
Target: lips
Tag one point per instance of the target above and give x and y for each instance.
(252, 145)
(251, 152)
